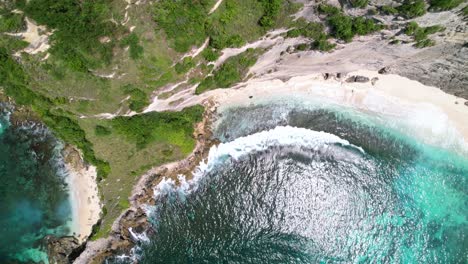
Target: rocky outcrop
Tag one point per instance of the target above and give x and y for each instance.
(357, 78)
(132, 226)
(63, 250)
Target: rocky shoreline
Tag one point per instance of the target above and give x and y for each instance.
(59, 249)
(122, 240)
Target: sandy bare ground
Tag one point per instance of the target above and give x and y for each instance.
(84, 197)
(36, 36)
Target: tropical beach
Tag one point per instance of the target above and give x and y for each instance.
(250, 131)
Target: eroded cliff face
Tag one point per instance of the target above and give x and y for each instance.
(442, 65)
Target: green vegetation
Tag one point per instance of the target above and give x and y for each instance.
(389, 10)
(271, 9)
(420, 34)
(412, 8)
(345, 27)
(231, 72)
(136, 51)
(138, 99)
(440, 5)
(314, 31)
(77, 26)
(15, 83)
(328, 9)
(185, 65)
(102, 131)
(359, 3)
(210, 54)
(183, 21)
(10, 22)
(175, 128)
(187, 23)
(465, 11)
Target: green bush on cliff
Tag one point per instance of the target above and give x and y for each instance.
(271, 9)
(183, 21)
(412, 8)
(359, 3)
(420, 34)
(441, 5)
(135, 49)
(231, 72)
(175, 128)
(77, 26)
(138, 99)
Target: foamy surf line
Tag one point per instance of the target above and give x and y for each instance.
(393, 102)
(279, 136)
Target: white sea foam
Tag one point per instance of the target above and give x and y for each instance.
(279, 136)
(139, 237)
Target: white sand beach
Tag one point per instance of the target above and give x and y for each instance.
(84, 197)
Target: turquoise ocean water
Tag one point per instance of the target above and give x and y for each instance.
(277, 190)
(33, 193)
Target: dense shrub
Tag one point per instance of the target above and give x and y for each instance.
(132, 41)
(412, 8)
(183, 21)
(138, 99)
(389, 10)
(11, 22)
(175, 128)
(328, 9)
(341, 26)
(271, 9)
(362, 26)
(231, 72)
(77, 26)
(359, 3)
(444, 4)
(322, 44)
(185, 65)
(420, 34)
(210, 54)
(102, 131)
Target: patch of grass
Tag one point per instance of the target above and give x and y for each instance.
(420, 34)
(441, 5)
(183, 21)
(311, 30)
(185, 65)
(465, 11)
(77, 26)
(412, 8)
(424, 43)
(322, 44)
(138, 99)
(271, 10)
(231, 72)
(389, 10)
(359, 3)
(11, 22)
(328, 9)
(132, 41)
(210, 54)
(102, 131)
(175, 128)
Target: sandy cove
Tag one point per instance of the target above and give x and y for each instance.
(84, 196)
(389, 95)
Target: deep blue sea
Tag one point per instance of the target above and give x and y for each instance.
(33, 193)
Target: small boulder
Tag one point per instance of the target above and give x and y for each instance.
(357, 78)
(374, 80)
(384, 70)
